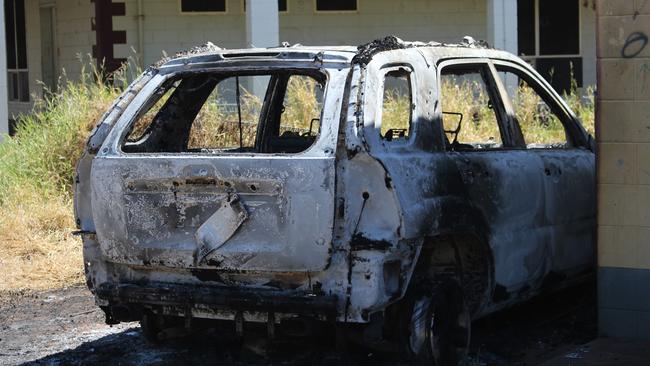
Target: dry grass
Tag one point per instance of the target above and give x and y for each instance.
(37, 250)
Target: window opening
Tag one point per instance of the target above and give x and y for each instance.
(397, 106)
(336, 5)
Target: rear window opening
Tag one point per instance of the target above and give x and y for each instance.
(272, 113)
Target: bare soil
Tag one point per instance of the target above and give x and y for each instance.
(64, 327)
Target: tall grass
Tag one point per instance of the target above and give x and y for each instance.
(37, 165)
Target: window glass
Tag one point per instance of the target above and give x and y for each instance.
(396, 106)
(17, 73)
(468, 111)
(559, 32)
(282, 5)
(270, 113)
(336, 5)
(541, 127)
(526, 27)
(203, 6)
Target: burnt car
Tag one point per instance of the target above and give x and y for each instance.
(397, 189)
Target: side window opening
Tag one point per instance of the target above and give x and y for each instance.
(142, 125)
(469, 116)
(397, 106)
(299, 116)
(540, 124)
(235, 113)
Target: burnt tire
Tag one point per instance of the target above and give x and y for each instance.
(151, 326)
(436, 325)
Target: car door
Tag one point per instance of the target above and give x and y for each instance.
(553, 133)
(502, 183)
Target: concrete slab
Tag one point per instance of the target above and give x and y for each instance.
(605, 351)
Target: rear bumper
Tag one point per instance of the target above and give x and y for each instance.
(215, 298)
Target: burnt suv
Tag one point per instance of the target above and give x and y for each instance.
(401, 189)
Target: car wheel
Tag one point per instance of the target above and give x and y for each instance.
(151, 326)
(436, 326)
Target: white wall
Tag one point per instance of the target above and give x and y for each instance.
(74, 36)
(166, 29)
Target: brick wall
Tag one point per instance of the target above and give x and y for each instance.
(624, 168)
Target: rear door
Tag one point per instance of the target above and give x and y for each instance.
(222, 170)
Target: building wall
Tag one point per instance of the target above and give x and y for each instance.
(166, 29)
(74, 39)
(74, 34)
(624, 169)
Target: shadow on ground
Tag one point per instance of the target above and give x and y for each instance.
(65, 328)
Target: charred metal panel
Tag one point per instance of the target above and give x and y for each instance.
(340, 228)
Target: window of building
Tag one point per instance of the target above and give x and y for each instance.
(540, 125)
(17, 74)
(396, 106)
(203, 6)
(469, 115)
(282, 5)
(233, 113)
(549, 38)
(336, 5)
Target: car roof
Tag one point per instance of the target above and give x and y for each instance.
(363, 54)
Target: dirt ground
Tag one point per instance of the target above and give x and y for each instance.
(64, 327)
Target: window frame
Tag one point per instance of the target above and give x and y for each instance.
(573, 129)
(379, 118)
(211, 12)
(532, 59)
(317, 11)
(495, 89)
(17, 70)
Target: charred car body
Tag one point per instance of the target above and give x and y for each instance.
(390, 202)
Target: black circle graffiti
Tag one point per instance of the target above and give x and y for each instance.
(632, 39)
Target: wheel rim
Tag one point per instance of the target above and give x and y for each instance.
(420, 324)
(442, 326)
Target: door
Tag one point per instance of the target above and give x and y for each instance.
(48, 47)
(551, 132)
(502, 183)
(204, 173)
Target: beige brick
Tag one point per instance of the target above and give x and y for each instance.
(642, 78)
(643, 163)
(614, 32)
(615, 7)
(642, 6)
(643, 197)
(618, 205)
(643, 249)
(617, 79)
(617, 246)
(617, 163)
(625, 121)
